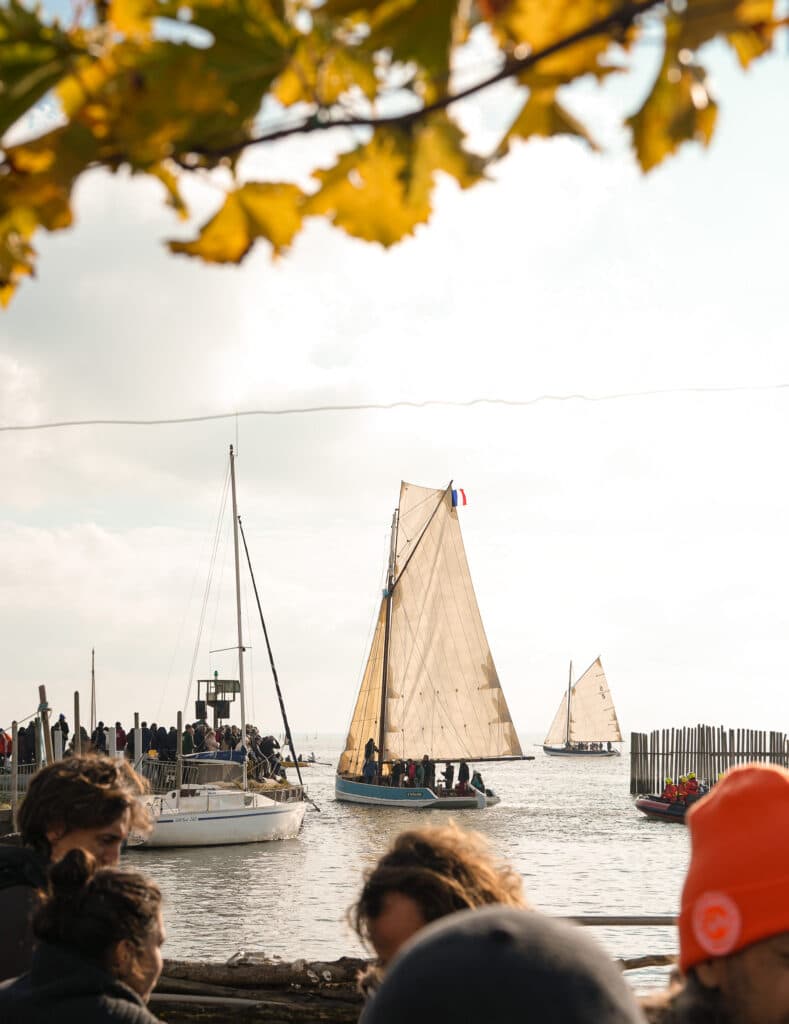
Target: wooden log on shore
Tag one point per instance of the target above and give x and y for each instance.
(255, 972)
(254, 988)
(257, 989)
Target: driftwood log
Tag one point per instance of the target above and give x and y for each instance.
(252, 988)
(256, 989)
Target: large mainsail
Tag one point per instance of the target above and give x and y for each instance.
(592, 714)
(443, 695)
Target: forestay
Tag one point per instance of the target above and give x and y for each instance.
(443, 693)
(592, 714)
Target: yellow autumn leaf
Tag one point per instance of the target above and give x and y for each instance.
(438, 146)
(132, 17)
(255, 210)
(679, 108)
(170, 182)
(370, 193)
(543, 116)
(748, 25)
(532, 26)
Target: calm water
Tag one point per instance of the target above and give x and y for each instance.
(569, 827)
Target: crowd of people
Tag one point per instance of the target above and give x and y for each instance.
(447, 920)
(414, 772)
(159, 741)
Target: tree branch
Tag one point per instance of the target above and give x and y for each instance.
(621, 18)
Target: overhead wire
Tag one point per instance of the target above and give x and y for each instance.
(574, 396)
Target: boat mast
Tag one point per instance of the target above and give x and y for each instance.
(92, 691)
(390, 581)
(238, 611)
(569, 697)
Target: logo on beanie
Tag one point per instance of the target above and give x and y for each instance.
(717, 923)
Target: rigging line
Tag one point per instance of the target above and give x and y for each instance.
(207, 591)
(613, 396)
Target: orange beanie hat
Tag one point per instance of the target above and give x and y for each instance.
(737, 888)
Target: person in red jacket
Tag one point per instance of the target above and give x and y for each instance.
(670, 791)
(693, 784)
(682, 789)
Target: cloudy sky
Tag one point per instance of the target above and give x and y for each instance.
(649, 529)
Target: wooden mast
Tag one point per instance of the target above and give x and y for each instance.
(569, 698)
(390, 581)
(238, 612)
(92, 692)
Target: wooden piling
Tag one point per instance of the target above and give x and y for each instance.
(77, 725)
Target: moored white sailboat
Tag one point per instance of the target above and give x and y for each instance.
(217, 815)
(430, 685)
(585, 724)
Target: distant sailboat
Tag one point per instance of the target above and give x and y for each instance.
(585, 724)
(430, 685)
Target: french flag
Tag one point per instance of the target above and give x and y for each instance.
(458, 498)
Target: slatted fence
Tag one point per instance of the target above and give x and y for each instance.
(704, 749)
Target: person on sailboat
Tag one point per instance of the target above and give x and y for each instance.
(419, 772)
(448, 775)
(370, 771)
(370, 749)
(476, 782)
(463, 777)
(397, 772)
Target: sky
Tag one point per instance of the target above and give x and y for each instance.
(649, 529)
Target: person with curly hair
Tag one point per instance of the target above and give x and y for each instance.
(98, 956)
(427, 874)
(87, 802)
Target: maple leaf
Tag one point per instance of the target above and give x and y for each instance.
(678, 108)
(255, 210)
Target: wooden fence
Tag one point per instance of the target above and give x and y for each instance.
(704, 749)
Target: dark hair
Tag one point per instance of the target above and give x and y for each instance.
(90, 909)
(443, 870)
(686, 1001)
(86, 791)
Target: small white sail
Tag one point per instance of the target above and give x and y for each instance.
(592, 713)
(443, 693)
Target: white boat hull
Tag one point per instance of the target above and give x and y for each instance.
(220, 819)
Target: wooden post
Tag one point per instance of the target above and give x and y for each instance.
(14, 771)
(112, 741)
(179, 754)
(77, 725)
(44, 710)
(57, 742)
(138, 752)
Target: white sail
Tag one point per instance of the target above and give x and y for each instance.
(592, 713)
(443, 693)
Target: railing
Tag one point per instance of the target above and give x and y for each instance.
(162, 776)
(25, 773)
